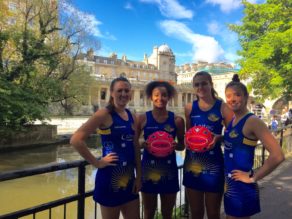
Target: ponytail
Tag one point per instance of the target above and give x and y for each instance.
(236, 83)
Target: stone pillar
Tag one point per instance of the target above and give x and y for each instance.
(145, 101)
(98, 96)
(189, 97)
(179, 100)
(107, 97)
(136, 98)
(90, 97)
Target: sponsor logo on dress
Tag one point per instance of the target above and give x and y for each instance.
(213, 117)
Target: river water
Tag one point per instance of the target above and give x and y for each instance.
(34, 190)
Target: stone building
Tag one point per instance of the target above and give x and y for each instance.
(160, 65)
(221, 73)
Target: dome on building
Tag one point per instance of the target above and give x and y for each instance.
(164, 49)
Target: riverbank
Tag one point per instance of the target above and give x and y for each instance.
(62, 139)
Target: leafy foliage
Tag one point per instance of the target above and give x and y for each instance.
(38, 62)
(265, 35)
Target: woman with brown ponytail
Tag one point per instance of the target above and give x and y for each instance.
(116, 185)
(204, 171)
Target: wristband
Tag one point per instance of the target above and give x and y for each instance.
(252, 180)
(251, 173)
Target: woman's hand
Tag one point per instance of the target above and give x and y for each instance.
(216, 138)
(108, 160)
(145, 145)
(137, 185)
(242, 176)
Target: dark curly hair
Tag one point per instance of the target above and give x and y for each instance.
(171, 91)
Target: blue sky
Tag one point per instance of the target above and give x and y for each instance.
(193, 29)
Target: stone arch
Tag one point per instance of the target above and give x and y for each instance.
(281, 105)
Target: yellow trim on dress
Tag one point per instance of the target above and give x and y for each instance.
(104, 131)
(249, 142)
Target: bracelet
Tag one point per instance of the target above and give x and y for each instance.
(251, 174)
(252, 180)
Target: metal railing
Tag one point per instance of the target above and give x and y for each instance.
(80, 197)
(284, 137)
(181, 208)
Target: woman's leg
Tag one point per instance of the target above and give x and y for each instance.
(196, 201)
(131, 210)
(110, 212)
(213, 204)
(150, 205)
(167, 204)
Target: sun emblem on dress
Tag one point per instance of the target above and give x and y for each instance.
(121, 177)
(155, 172)
(200, 165)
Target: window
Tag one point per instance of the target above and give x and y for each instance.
(11, 21)
(102, 94)
(30, 23)
(12, 6)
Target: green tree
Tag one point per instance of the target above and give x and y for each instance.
(265, 35)
(37, 62)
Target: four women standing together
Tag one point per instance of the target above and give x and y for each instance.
(121, 174)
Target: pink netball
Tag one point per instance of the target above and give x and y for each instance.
(198, 139)
(160, 144)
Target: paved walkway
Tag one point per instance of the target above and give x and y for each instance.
(276, 193)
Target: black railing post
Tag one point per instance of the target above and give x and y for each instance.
(186, 206)
(281, 137)
(81, 191)
(263, 155)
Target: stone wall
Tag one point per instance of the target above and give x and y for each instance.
(32, 135)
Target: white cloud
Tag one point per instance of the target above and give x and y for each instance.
(214, 27)
(88, 21)
(229, 39)
(226, 5)
(171, 8)
(228, 36)
(205, 48)
(229, 5)
(128, 6)
(231, 57)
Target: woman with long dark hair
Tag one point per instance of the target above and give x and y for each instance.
(116, 185)
(204, 171)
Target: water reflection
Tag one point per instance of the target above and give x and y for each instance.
(34, 190)
(38, 156)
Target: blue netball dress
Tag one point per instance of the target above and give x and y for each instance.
(205, 171)
(114, 184)
(240, 199)
(159, 175)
